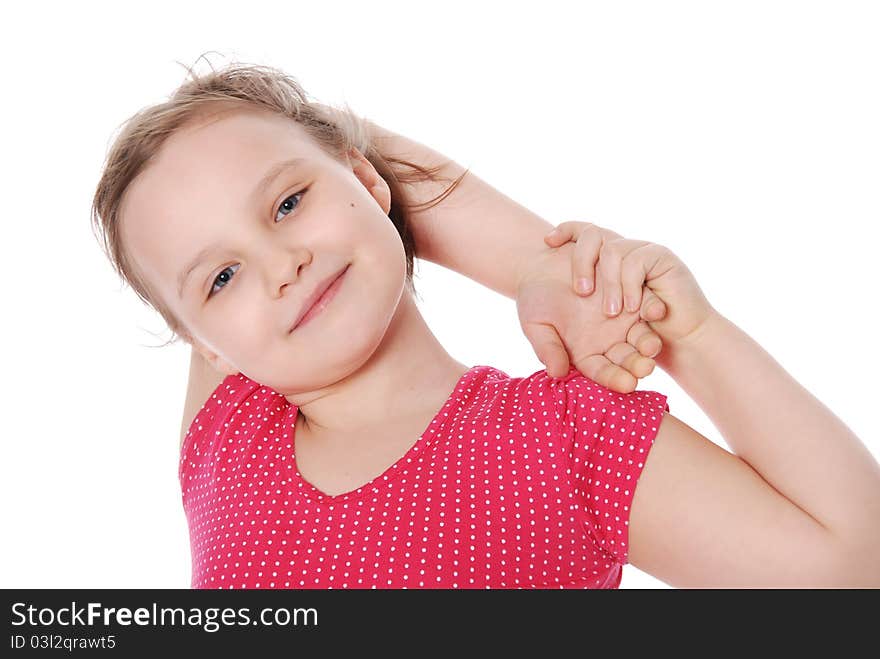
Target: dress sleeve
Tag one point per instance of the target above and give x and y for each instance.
(606, 438)
(208, 425)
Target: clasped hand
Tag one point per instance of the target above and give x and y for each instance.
(645, 301)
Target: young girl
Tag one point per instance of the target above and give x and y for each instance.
(345, 448)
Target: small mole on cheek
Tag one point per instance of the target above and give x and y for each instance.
(352, 204)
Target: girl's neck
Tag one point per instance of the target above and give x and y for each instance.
(408, 377)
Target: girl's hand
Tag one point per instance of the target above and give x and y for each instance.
(565, 328)
(673, 303)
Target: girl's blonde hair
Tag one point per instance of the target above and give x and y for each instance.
(243, 87)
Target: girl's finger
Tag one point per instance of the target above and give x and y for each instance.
(610, 258)
(583, 261)
(604, 371)
(570, 230)
(548, 347)
(629, 359)
(653, 308)
(644, 339)
(633, 272)
(564, 232)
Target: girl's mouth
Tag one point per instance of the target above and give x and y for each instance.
(323, 300)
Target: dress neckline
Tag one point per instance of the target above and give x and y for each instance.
(391, 473)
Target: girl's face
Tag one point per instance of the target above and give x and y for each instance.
(271, 237)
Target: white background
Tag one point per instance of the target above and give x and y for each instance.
(742, 135)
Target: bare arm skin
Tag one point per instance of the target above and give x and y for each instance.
(475, 214)
(797, 506)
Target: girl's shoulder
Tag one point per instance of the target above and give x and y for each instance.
(231, 392)
(573, 401)
(574, 385)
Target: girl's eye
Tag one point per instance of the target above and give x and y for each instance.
(286, 208)
(223, 278)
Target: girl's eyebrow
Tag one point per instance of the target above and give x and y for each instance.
(273, 172)
(182, 277)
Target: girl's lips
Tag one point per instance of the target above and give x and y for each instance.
(322, 300)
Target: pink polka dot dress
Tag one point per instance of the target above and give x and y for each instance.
(517, 482)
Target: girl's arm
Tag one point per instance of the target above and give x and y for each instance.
(797, 506)
(506, 236)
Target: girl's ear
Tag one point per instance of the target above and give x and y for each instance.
(371, 180)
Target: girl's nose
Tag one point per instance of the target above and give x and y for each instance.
(282, 268)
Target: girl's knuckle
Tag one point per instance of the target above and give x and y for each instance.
(611, 250)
